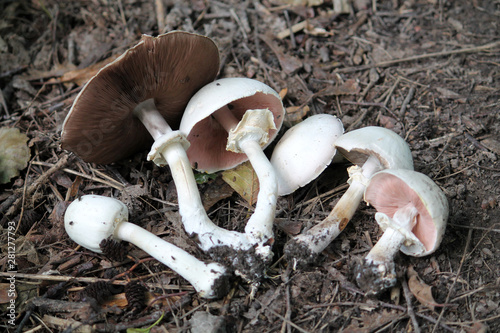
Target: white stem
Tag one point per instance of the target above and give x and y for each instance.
(398, 230)
(226, 118)
(260, 224)
(194, 216)
(152, 119)
(203, 277)
(386, 247)
(195, 219)
(321, 235)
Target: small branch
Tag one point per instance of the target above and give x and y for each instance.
(29, 190)
(420, 57)
(407, 101)
(411, 313)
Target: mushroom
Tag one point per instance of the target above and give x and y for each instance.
(146, 90)
(227, 122)
(111, 116)
(91, 219)
(304, 151)
(412, 211)
(371, 149)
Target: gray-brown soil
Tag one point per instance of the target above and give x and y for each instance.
(426, 69)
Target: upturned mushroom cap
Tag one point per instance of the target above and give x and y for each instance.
(207, 137)
(388, 147)
(102, 215)
(390, 190)
(170, 68)
(304, 151)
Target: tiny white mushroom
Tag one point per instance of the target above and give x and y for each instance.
(91, 218)
(371, 149)
(412, 211)
(226, 123)
(305, 150)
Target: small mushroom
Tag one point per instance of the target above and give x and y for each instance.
(371, 149)
(412, 211)
(91, 219)
(228, 122)
(304, 151)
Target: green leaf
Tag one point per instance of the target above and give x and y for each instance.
(14, 153)
(202, 178)
(145, 330)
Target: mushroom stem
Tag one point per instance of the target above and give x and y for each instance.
(260, 224)
(91, 219)
(304, 248)
(226, 118)
(170, 148)
(205, 278)
(194, 216)
(248, 136)
(151, 118)
(377, 272)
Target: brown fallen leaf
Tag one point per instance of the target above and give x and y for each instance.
(421, 290)
(6, 293)
(369, 322)
(216, 191)
(295, 114)
(349, 87)
(81, 76)
(289, 64)
(492, 145)
(243, 180)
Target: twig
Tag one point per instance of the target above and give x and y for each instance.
(407, 101)
(452, 287)
(114, 183)
(378, 303)
(63, 278)
(292, 36)
(297, 327)
(160, 15)
(472, 227)
(419, 57)
(39, 181)
(411, 313)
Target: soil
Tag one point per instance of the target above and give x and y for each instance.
(427, 69)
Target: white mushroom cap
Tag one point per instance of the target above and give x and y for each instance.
(388, 147)
(392, 189)
(305, 150)
(102, 214)
(207, 136)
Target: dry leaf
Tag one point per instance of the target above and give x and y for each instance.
(421, 291)
(216, 191)
(492, 144)
(243, 180)
(283, 93)
(295, 114)
(349, 87)
(446, 93)
(14, 153)
(6, 293)
(81, 76)
(370, 322)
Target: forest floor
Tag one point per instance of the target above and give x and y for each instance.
(427, 69)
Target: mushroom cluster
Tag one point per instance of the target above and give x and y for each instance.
(162, 93)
